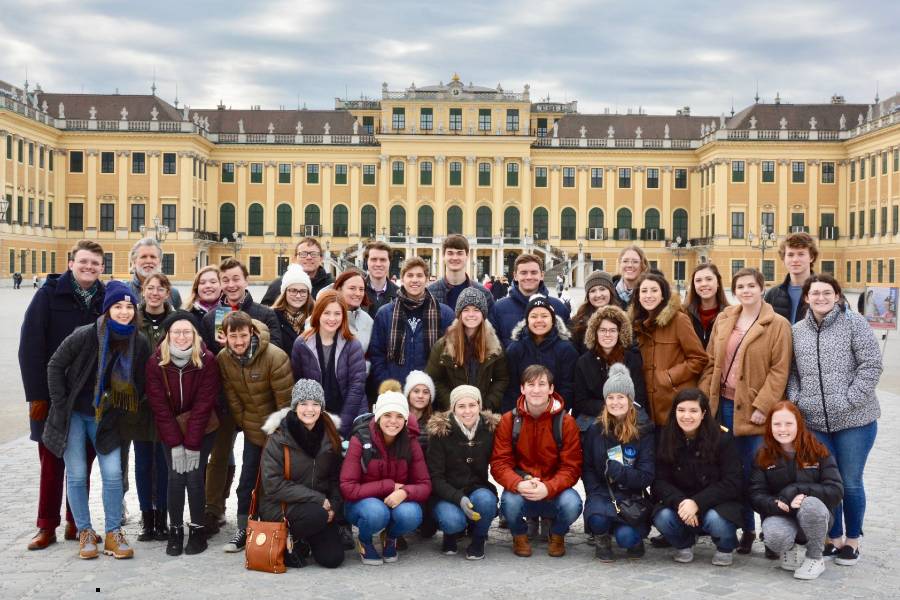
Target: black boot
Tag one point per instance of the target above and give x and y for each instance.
(147, 526)
(161, 531)
(196, 539)
(176, 540)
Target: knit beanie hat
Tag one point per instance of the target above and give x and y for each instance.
(418, 377)
(295, 274)
(472, 297)
(619, 381)
(116, 291)
(180, 315)
(307, 389)
(539, 301)
(598, 278)
(391, 402)
(464, 391)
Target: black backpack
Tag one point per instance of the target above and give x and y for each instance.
(361, 430)
(517, 428)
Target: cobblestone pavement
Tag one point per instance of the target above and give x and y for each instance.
(422, 571)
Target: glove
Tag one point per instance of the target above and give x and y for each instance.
(469, 509)
(38, 410)
(614, 469)
(178, 459)
(192, 460)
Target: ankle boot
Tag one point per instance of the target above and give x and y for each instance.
(147, 526)
(176, 540)
(161, 532)
(196, 539)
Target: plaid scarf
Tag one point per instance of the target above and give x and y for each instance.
(84, 295)
(121, 392)
(296, 321)
(404, 305)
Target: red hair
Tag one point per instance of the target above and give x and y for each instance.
(347, 276)
(324, 299)
(808, 449)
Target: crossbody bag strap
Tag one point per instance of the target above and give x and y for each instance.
(736, 350)
(287, 475)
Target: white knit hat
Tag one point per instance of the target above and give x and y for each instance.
(295, 274)
(418, 377)
(391, 402)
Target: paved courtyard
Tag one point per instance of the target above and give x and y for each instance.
(57, 573)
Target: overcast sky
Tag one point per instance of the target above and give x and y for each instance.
(658, 55)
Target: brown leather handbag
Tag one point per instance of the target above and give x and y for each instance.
(267, 540)
(184, 417)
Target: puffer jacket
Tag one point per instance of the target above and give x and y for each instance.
(384, 470)
(313, 478)
(191, 388)
(259, 388)
(837, 365)
(785, 479)
(556, 352)
(762, 365)
(459, 466)
(349, 368)
(780, 299)
(673, 357)
(506, 313)
(491, 378)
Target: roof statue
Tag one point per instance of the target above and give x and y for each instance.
(240, 126)
(638, 132)
(62, 110)
(783, 123)
(843, 122)
(556, 129)
(812, 123)
(154, 113)
(327, 129)
(271, 128)
(611, 132)
(93, 112)
(299, 128)
(124, 113)
(752, 121)
(355, 127)
(582, 131)
(666, 132)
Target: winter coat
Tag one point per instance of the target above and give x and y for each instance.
(499, 290)
(285, 330)
(256, 311)
(259, 388)
(312, 478)
(53, 314)
(837, 365)
(349, 368)
(555, 352)
(387, 297)
(702, 332)
(459, 466)
(785, 479)
(415, 352)
(536, 452)
(154, 334)
(384, 470)
(69, 370)
(673, 357)
(439, 290)
(359, 321)
(319, 280)
(627, 480)
(780, 299)
(507, 312)
(712, 484)
(191, 388)
(491, 378)
(762, 363)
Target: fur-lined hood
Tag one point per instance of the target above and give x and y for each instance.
(494, 348)
(665, 316)
(273, 421)
(561, 329)
(440, 424)
(617, 316)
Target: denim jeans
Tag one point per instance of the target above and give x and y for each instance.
(371, 515)
(247, 481)
(451, 518)
(850, 449)
(722, 531)
(563, 509)
(626, 535)
(151, 475)
(747, 445)
(83, 428)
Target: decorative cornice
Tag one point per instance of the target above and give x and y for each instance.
(271, 163)
(123, 152)
(440, 158)
(356, 165)
(153, 153)
(92, 152)
(299, 163)
(470, 160)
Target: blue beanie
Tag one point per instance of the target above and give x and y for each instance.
(116, 291)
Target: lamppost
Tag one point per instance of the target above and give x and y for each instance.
(676, 248)
(160, 231)
(237, 243)
(282, 248)
(764, 241)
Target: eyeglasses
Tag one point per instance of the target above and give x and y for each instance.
(822, 294)
(298, 293)
(181, 332)
(630, 261)
(156, 290)
(612, 331)
(310, 254)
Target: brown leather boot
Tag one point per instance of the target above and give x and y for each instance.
(42, 539)
(556, 545)
(521, 545)
(71, 532)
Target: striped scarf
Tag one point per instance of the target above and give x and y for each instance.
(404, 306)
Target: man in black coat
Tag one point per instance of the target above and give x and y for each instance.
(308, 254)
(379, 288)
(64, 303)
(798, 251)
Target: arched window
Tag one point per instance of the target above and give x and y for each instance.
(425, 225)
(226, 220)
(511, 223)
(651, 219)
(255, 220)
(283, 220)
(368, 221)
(483, 224)
(680, 224)
(623, 225)
(454, 220)
(540, 224)
(339, 221)
(595, 224)
(398, 222)
(567, 224)
(311, 215)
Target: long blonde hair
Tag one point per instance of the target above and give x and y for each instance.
(624, 430)
(194, 295)
(196, 358)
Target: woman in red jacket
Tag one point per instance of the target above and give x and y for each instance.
(182, 388)
(384, 478)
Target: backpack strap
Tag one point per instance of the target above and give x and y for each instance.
(558, 429)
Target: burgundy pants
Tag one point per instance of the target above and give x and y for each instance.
(51, 490)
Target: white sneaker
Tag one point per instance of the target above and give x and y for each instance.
(810, 569)
(723, 559)
(684, 555)
(792, 558)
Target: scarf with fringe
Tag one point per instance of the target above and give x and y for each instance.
(121, 392)
(431, 320)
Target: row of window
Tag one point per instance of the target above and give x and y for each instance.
(879, 266)
(873, 222)
(138, 163)
(22, 263)
(44, 156)
(767, 172)
(873, 164)
(29, 218)
(798, 224)
(426, 119)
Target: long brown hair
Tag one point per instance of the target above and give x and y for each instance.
(196, 284)
(639, 315)
(808, 450)
(326, 298)
(456, 342)
(332, 432)
(692, 298)
(347, 276)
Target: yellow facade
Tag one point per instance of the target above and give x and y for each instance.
(511, 174)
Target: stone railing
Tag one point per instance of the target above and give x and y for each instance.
(636, 143)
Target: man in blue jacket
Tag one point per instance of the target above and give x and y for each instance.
(528, 271)
(64, 303)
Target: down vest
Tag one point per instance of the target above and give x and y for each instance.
(259, 388)
(837, 365)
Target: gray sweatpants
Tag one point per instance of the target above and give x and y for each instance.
(812, 518)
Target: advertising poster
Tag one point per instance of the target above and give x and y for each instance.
(880, 307)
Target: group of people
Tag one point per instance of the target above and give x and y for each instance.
(392, 408)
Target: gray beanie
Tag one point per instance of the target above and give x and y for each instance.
(598, 278)
(619, 381)
(472, 297)
(307, 389)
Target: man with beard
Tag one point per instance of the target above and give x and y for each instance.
(308, 254)
(146, 260)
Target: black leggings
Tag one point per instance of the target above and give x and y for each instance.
(309, 521)
(193, 481)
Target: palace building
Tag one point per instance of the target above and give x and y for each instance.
(511, 174)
